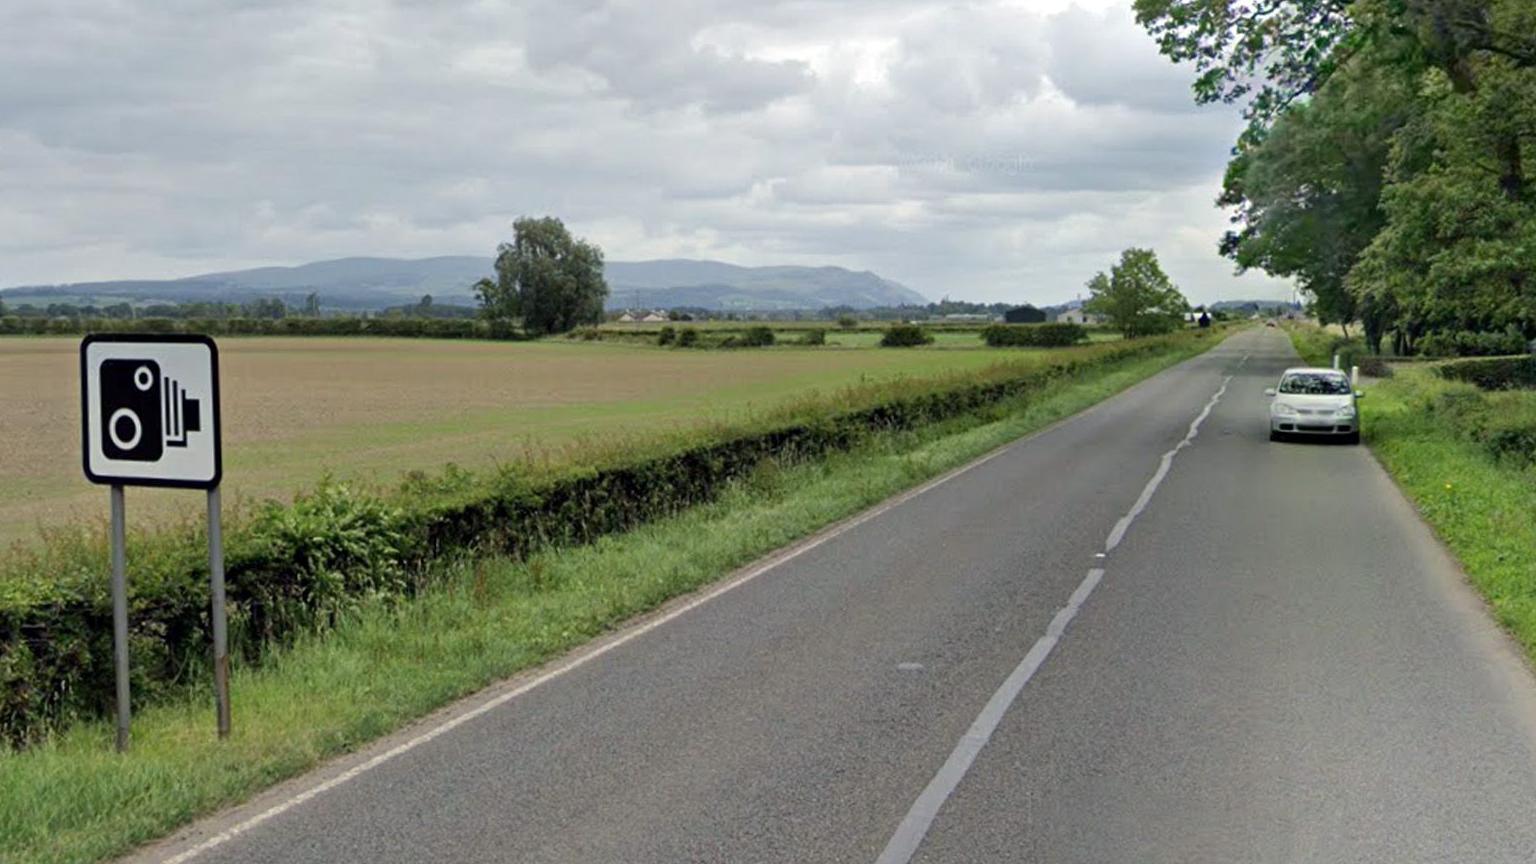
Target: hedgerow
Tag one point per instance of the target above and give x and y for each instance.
(1055, 335)
(1493, 373)
(432, 328)
(298, 567)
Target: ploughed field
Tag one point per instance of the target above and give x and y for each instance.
(298, 409)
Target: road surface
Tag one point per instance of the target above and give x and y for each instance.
(1144, 635)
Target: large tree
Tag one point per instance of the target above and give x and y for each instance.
(1454, 247)
(1306, 193)
(551, 280)
(1136, 296)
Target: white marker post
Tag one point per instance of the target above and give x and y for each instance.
(149, 408)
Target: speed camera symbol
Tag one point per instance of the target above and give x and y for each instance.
(145, 412)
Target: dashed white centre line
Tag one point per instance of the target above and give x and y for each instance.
(914, 827)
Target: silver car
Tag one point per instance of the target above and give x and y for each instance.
(1314, 401)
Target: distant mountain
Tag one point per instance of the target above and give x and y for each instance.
(373, 283)
(716, 285)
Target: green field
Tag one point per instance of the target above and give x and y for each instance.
(371, 409)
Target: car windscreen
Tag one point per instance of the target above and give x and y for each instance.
(1315, 384)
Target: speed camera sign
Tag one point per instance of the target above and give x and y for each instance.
(150, 406)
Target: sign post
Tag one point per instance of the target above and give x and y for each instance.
(120, 615)
(149, 407)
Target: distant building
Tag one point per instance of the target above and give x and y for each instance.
(967, 316)
(1078, 316)
(627, 318)
(1025, 314)
(654, 317)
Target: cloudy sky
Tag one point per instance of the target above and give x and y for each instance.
(982, 150)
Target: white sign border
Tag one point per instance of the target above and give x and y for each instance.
(85, 410)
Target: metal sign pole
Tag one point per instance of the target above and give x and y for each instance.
(220, 627)
(120, 616)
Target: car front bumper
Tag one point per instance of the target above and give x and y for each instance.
(1313, 425)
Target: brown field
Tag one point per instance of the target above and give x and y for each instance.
(297, 409)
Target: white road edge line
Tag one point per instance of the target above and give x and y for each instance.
(914, 826)
(588, 656)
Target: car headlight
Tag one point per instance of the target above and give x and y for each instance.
(1346, 411)
(1282, 409)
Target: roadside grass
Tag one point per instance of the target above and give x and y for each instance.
(71, 799)
(1483, 507)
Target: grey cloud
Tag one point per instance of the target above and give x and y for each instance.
(643, 52)
(973, 150)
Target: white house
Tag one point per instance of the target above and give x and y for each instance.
(1078, 316)
(627, 318)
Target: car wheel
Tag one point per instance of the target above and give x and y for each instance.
(1275, 436)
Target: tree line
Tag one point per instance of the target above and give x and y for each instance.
(1386, 164)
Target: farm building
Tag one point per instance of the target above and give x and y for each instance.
(1025, 314)
(1078, 316)
(627, 318)
(654, 317)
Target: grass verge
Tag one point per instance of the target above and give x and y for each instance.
(72, 800)
(1482, 506)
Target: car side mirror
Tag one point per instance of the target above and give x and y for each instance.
(1269, 391)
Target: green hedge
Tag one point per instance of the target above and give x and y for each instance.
(292, 568)
(905, 336)
(1058, 335)
(1493, 373)
(1467, 343)
(431, 328)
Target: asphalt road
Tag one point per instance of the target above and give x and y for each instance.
(1274, 663)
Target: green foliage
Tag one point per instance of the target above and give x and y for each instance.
(1034, 335)
(1499, 373)
(549, 279)
(1467, 344)
(814, 336)
(847, 322)
(1268, 54)
(666, 336)
(688, 337)
(1387, 164)
(1137, 297)
(752, 337)
(426, 328)
(905, 336)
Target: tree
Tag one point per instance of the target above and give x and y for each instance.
(312, 305)
(1137, 297)
(1307, 193)
(550, 279)
(1456, 240)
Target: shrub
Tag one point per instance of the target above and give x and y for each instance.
(1466, 343)
(847, 322)
(667, 336)
(1056, 335)
(816, 336)
(905, 336)
(755, 337)
(688, 337)
(1494, 373)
